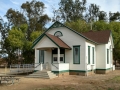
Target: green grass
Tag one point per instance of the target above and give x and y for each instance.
(116, 79)
(110, 89)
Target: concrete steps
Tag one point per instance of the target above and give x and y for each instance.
(42, 74)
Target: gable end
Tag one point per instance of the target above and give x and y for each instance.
(56, 25)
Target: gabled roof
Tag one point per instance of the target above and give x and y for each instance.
(58, 24)
(55, 25)
(101, 37)
(58, 41)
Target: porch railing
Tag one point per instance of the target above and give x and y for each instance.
(54, 66)
(60, 67)
(21, 68)
(37, 65)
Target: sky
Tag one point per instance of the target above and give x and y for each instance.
(105, 5)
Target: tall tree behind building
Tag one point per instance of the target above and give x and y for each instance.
(70, 10)
(31, 14)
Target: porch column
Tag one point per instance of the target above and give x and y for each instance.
(35, 56)
(58, 57)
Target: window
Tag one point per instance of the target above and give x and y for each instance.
(55, 52)
(58, 34)
(107, 56)
(76, 54)
(93, 54)
(41, 56)
(88, 54)
(55, 58)
(61, 58)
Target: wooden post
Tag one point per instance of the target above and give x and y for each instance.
(58, 57)
(41, 67)
(5, 69)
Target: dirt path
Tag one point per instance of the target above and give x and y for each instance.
(71, 82)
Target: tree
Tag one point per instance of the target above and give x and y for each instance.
(114, 16)
(17, 45)
(4, 29)
(115, 28)
(35, 17)
(28, 53)
(70, 10)
(92, 14)
(79, 25)
(102, 16)
(15, 38)
(14, 43)
(15, 18)
(29, 20)
(100, 25)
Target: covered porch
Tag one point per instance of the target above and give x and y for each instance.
(51, 59)
(50, 55)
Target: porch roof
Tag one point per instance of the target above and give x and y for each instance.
(57, 41)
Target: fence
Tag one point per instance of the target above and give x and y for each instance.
(21, 68)
(117, 68)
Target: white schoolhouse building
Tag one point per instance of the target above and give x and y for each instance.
(62, 50)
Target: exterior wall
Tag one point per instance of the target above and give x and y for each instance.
(61, 55)
(60, 67)
(100, 57)
(47, 58)
(72, 39)
(77, 73)
(103, 71)
(63, 74)
(37, 60)
(45, 43)
(90, 66)
(101, 53)
(109, 47)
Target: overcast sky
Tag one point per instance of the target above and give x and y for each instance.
(105, 5)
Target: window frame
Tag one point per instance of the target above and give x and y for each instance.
(58, 32)
(78, 46)
(93, 54)
(89, 55)
(107, 56)
(40, 56)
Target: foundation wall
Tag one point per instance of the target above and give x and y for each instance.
(78, 73)
(63, 74)
(103, 71)
(83, 73)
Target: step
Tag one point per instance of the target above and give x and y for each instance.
(42, 74)
(48, 77)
